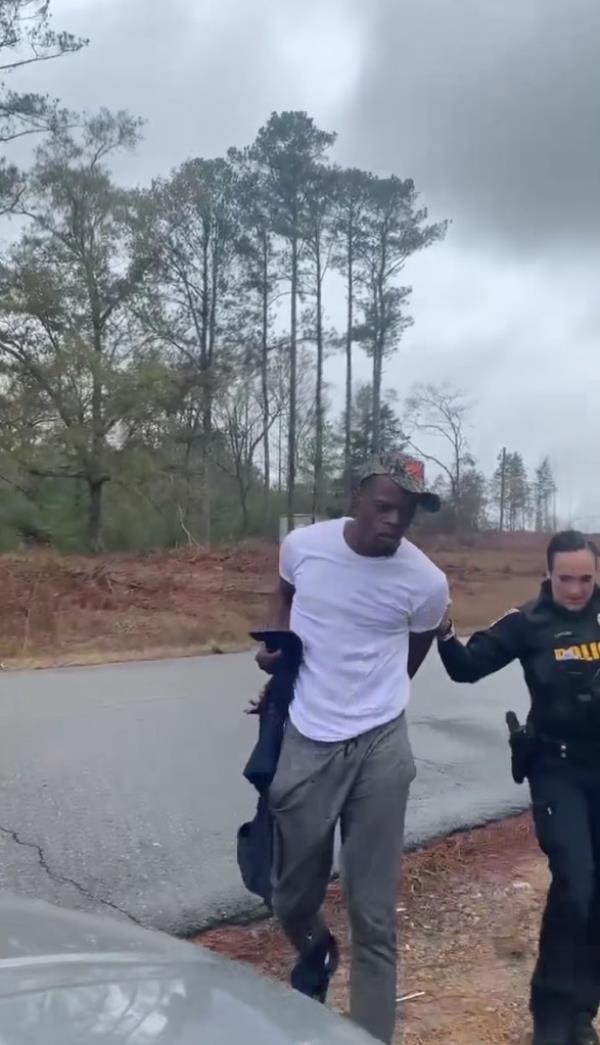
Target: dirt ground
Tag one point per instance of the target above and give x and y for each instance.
(470, 905)
(468, 918)
(72, 609)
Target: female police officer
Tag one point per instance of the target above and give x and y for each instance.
(556, 637)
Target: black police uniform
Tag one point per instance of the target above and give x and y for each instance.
(560, 654)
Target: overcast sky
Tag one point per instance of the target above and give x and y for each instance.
(492, 106)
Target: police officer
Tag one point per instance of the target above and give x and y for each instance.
(556, 637)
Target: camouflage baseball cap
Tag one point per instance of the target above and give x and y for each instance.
(400, 469)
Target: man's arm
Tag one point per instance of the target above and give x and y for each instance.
(425, 622)
(280, 621)
(282, 605)
(486, 651)
(419, 644)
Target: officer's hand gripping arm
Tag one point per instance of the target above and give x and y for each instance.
(486, 651)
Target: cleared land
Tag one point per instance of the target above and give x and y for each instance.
(73, 609)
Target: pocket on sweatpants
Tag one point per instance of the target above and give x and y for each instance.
(299, 760)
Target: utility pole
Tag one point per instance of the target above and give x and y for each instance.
(502, 487)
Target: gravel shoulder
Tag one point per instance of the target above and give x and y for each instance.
(468, 918)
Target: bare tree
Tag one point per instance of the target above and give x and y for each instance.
(287, 149)
(195, 235)
(394, 230)
(352, 198)
(437, 420)
(27, 38)
(320, 240)
(239, 421)
(305, 419)
(261, 270)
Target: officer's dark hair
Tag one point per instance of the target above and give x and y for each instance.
(569, 541)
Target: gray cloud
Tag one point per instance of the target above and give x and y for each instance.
(205, 74)
(495, 108)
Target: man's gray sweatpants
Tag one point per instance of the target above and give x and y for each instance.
(363, 784)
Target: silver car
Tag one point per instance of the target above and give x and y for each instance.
(76, 979)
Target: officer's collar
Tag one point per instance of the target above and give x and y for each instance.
(593, 604)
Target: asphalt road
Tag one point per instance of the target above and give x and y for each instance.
(121, 786)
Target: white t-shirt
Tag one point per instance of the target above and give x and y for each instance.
(354, 615)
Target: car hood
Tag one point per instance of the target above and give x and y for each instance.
(71, 979)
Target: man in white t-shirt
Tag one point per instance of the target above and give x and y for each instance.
(366, 604)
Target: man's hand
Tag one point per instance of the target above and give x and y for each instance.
(284, 595)
(266, 661)
(255, 704)
(445, 625)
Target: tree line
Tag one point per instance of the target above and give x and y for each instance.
(163, 349)
(523, 501)
(171, 341)
(434, 424)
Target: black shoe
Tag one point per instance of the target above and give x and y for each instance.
(312, 974)
(584, 1033)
